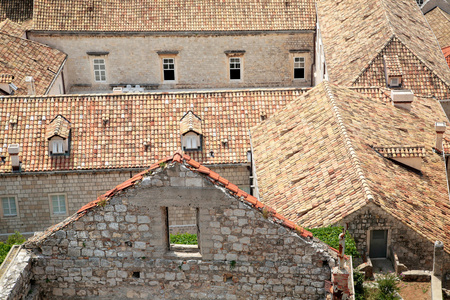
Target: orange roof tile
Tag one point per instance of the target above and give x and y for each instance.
(446, 51)
(175, 15)
(439, 21)
(13, 28)
(401, 151)
(23, 58)
(6, 78)
(190, 122)
(177, 157)
(133, 120)
(58, 126)
(316, 163)
(357, 33)
(392, 64)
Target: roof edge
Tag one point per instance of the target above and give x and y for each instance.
(348, 144)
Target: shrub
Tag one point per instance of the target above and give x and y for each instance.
(14, 239)
(358, 280)
(388, 287)
(183, 238)
(330, 236)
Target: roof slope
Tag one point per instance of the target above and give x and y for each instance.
(109, 131)
(355, 31)
(21, 58)
(16, 10)
(439, 21)
(177, 15)
(15, 29)
(325, 167)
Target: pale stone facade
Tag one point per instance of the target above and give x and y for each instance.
(201, 61)
(33, 194)
(120, 250)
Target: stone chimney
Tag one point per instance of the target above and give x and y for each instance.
(440, 129)
(13, 150)
(402, 99)
(30, 85)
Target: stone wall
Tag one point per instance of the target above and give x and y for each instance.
(412, 249)
(121, 250)
(33, 192)
(16, 283)
(201, 61)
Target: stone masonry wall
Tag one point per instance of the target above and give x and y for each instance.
(412, 249)
(32, 193)
(200, 62)
(120, 251)
(16, 283)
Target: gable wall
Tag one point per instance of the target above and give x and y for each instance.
(412, 249)
(200, 63)
(90, 257)
(32, 193)
(416, 76)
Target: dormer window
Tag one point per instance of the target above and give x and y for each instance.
(191, 132)
(58, 136)
(392, 70)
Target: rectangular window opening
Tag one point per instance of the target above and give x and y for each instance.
(9, 206)
(59, 204)
(99, 70)
(58, 147)
(299, 68)
(169, 69)
(183, 233)
(235, 68)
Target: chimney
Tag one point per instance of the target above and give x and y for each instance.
(402, 99)
(30, 85)
(13, 150)
(440, 129)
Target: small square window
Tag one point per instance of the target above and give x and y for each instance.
(235, 68)
(58, 147)
(59, 204)
(9, 206)
(99, 70)
(191, 142)
(299, 68)
(169, 69)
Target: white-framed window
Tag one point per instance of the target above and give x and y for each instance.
(58, 147)
(235, 68)
(9, 206)
(58, 204)
(299, 67)
(99, 69)
(168, 69)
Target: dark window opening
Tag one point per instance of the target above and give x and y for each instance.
(136, 274)
(299, 68)
(169, 68)
(235, 68)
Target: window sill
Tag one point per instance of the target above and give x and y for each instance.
(183, 255)
(10, 217)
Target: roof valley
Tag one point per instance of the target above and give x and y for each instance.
(348, 145)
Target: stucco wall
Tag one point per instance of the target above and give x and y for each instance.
(121, 251)
(200, 62)
(32, 194)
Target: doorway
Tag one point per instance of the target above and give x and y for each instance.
(378, 243)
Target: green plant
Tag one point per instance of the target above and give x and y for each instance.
(232, 264)
(183, 238)
(14, 239)
(388, 287)
(102, 203)
(330, 236)
(162, 165)
(360, 291)
(266, 213)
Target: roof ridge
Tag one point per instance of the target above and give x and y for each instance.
(348, 144)
(385, 8)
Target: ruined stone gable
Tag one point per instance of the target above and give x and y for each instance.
(120, 249)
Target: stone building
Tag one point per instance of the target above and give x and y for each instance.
(386, 44)
(72, 147)
(117, 247)
(173, 44)
(363, 158)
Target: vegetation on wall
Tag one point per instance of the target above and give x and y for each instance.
(330, 236)
(14, 239)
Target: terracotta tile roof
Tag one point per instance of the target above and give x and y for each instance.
(393, 66)
(59, 126)
(439, 22)
(6, 78)
(21, 58)
(357, 33)
(187, 161)
(190, 122)
(401, 151)
(13, 28)
(109, 131)
(316, 163)
(446, 51)
(16, 10)
(176, 15)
